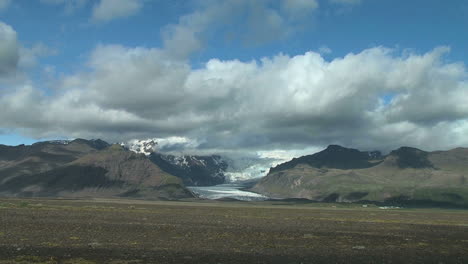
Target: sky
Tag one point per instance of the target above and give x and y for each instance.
(275, 78)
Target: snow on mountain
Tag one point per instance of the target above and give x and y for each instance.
(146, 146)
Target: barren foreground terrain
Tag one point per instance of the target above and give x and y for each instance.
(129, 231)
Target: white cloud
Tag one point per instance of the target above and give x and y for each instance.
(4, 4)
(9, 51)
(277, 103)
(107, 10)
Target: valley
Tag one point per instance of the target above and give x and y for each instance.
(90, 202)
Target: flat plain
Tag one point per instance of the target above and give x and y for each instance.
(132, 231)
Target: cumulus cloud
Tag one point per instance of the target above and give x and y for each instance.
(276, 103)
(4, 4)
(107, 10)
(9, 50)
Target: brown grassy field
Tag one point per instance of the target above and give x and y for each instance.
(129, 231)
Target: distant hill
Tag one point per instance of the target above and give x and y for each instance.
(84, 168)
(405, 176)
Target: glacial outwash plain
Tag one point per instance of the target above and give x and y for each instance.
(129, 231)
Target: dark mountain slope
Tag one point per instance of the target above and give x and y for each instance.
(193, 170)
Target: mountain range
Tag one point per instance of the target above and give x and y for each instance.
(95, 168)
(405, 176)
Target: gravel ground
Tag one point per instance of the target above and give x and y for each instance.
(129, 231)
